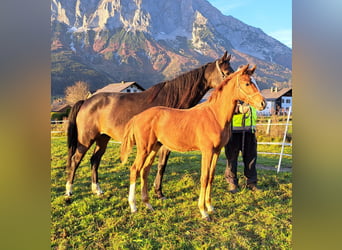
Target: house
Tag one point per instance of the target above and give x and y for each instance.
(123, 87)
(60, 107)
(59, 110)
(278, 101)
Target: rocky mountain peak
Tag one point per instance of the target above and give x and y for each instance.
(155, 40)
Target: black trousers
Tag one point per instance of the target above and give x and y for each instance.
(249, 156)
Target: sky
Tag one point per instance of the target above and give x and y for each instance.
(273, 17)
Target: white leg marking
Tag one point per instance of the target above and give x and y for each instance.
(95, 188)
(210, 208)
(68, 189)
(131, 198)
(204, 214)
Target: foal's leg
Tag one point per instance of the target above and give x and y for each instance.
(134, 172)
(144, 175)
(208, 205)
(101, 145)
(205, 172)
(164, 154)
(75, 162)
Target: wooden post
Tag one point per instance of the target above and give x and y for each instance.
(268, 127)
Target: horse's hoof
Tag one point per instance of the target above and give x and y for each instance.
(207, 218)
(160, 196)
(95, 188)
(149, 206)
(210, 209)
(68, 199)
(133, 209)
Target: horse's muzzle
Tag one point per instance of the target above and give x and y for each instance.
(261, 106)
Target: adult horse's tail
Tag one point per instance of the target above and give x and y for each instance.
(72, 130)
(128, 141)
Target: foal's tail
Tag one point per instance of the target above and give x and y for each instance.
(72, 130)
(128, 141)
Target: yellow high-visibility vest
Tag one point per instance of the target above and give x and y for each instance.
(245, 122)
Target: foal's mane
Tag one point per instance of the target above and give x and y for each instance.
(183, 91)
(219, 88)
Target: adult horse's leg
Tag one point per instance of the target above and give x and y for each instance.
(164, 154)
(101, 145)
(208, 205)
(205, 172)
(74, 163)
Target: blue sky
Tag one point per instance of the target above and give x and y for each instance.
(273, 17)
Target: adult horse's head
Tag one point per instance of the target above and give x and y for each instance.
(246, 88)
(218, 70)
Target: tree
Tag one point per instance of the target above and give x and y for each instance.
(76, 92)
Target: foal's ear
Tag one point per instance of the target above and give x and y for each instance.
(244, 69)
(251, 71)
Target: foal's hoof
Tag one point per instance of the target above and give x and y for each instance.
(206, 218)
(133, 209)
(210, 209)
(98, 193)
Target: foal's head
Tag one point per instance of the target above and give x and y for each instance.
(246, 88)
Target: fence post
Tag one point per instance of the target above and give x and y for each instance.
(284, 138)
(268, 127)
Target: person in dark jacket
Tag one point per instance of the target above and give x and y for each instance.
(243, 139)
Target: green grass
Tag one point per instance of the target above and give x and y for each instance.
(245, 220)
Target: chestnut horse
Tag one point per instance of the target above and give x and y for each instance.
(205, 127)
(104, 115)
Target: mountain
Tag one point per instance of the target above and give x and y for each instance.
(103, 41)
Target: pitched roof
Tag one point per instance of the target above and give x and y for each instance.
(272, 94)
(59, 107)
(117, 87)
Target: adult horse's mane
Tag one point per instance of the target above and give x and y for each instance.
(183, 87)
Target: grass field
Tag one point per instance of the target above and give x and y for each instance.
(246, 220)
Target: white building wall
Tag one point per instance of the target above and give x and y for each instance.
(286, 102)
(268, 110)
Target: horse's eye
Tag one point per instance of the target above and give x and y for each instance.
(247, 84)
